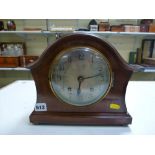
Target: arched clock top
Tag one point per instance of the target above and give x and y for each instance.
(84, 40)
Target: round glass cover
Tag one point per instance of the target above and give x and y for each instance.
(80, 76)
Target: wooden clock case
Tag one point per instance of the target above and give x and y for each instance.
(111, 110)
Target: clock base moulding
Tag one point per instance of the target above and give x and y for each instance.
(69, 118)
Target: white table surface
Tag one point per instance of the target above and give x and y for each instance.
(17, 101)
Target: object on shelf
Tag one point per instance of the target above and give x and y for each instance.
(146, 21)
(1, 25)
(144, 28)
(104, 26)
(93, 26)
(117, 28)
(139, 56)
(58, 29)
(11, 26)
(54, 28)
(147, 48)
(9, 61)
(26, 60)
(32, 29)
(152, 28)
(82, 29)
(131, 28)
(149, 61)
(132, 57)
(12, 48)
(145, 24)
(148, 51)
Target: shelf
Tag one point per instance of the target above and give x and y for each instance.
(106, 33)
(13, 69)
(21, 32)
(149, 70)
(141, 68)
(138, 68)
(118, 33)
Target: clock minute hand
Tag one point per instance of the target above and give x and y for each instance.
(92, 76)
(81, 78)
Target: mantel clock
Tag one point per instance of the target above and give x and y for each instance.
(81, 80)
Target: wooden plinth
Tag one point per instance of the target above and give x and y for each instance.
(68, 118)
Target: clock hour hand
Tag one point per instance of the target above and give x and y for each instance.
(78, 91)
(80, 79)
(79, 88)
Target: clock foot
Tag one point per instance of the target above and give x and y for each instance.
(69, 118)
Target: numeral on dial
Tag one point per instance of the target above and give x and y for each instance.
(59, 77)
(69, 89)
(61, 67)
(92, 59)
(91, 89)
(69, 59)
(81, 56)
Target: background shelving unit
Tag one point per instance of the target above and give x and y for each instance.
(37, 41)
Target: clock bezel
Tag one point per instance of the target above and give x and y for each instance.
(62, 53)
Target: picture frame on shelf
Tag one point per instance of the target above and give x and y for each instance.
(148, 51)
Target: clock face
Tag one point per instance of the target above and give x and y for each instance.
(80, 76)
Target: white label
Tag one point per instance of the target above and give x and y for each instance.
(40, 107)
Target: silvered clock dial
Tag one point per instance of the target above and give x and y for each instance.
(80, 76)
